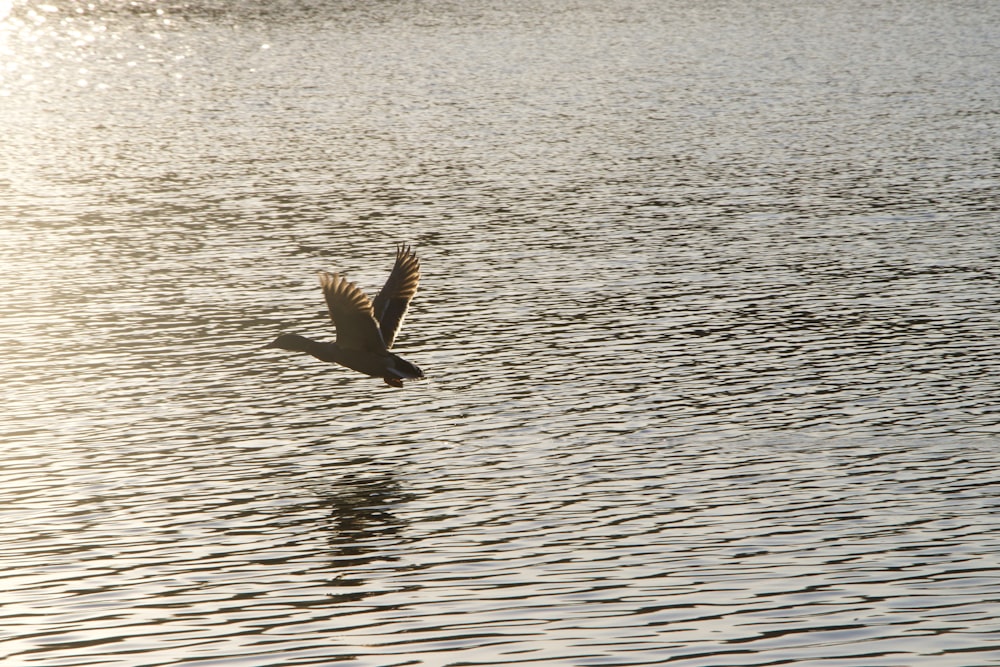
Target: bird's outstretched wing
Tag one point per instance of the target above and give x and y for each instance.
(351, 312)
(394, 298)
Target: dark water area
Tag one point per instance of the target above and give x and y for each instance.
(709, 313)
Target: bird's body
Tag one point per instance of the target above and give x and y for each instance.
(365, 329)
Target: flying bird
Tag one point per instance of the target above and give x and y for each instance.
(366, 329)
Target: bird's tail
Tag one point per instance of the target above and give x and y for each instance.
(404, 370)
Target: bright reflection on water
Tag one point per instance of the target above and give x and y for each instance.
(709, 314)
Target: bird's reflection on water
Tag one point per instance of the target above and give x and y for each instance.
(356, 515)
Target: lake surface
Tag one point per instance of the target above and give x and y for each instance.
(709, 312)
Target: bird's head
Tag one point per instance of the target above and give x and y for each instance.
(293, 342)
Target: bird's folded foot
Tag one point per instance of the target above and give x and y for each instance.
(394, 382)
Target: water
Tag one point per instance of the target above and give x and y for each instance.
(708, 310)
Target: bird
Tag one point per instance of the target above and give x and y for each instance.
(366, 329)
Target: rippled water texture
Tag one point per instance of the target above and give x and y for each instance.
(709, 315)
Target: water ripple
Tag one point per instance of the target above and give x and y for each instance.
(708, 320)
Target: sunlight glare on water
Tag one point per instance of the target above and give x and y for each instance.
(707, 309)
